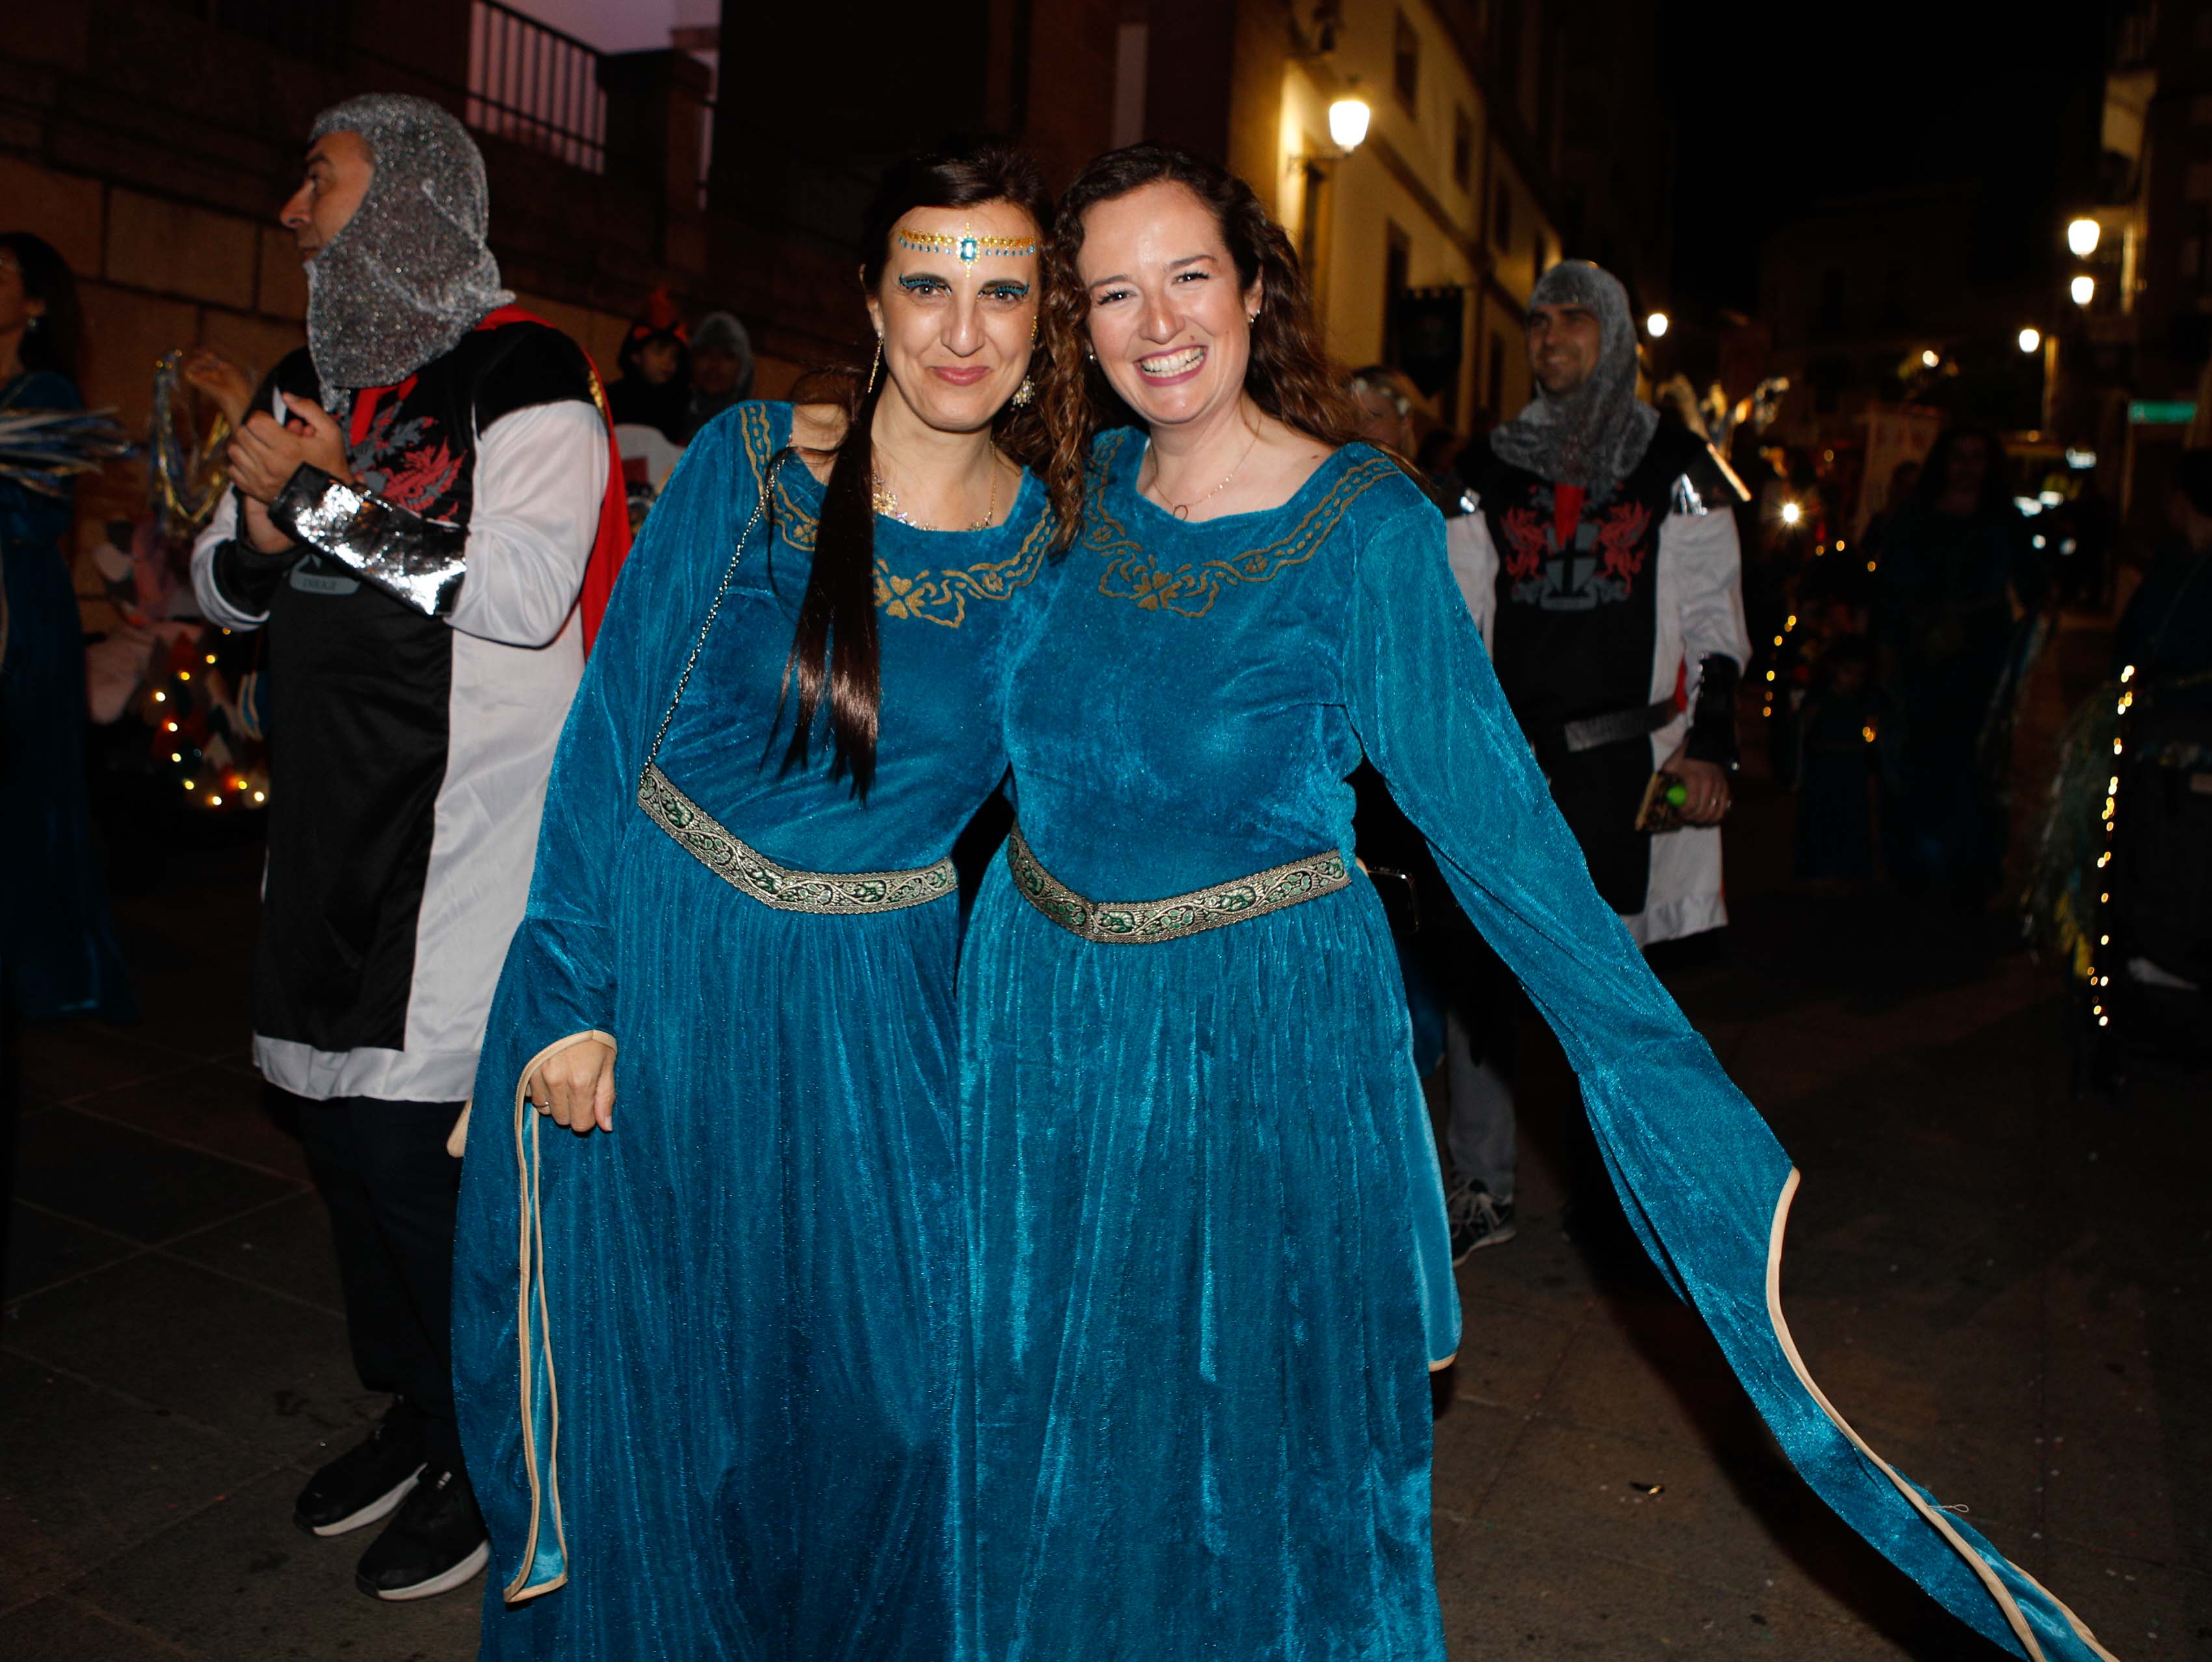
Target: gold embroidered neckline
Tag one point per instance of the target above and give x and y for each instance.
(1134, 571)
(934, 595)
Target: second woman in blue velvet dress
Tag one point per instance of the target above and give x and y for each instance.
(1211, 1262)
(705, 1352)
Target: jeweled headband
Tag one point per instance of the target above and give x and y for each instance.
(967, 246)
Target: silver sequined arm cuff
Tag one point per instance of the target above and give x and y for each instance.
(418, 561)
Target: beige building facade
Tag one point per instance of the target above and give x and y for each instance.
(1439, 213)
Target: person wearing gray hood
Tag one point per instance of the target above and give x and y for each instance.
(722, 368)
(417, 495)
(1599, 557)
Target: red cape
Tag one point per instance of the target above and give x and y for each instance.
(612, 546)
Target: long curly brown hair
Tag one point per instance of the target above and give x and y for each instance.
(1290, 376)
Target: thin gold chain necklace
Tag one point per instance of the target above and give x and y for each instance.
(887, 503)
(1181, 510)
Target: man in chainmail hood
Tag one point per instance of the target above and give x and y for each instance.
(1599, 557)
(409, 274)
(421, 495)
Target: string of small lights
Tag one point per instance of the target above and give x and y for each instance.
(193, 708)
(2100, 974)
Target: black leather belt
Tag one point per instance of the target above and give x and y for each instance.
(1617, 725)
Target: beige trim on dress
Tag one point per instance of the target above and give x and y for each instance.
(531, 1240)
(2005, 1601)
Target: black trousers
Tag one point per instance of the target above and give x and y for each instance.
(391, 1188)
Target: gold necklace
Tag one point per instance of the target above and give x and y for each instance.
(1181, 510)
(887, 503)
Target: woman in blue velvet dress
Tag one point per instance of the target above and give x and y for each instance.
(58, 952)
(1212, 1269)
(705, 1359)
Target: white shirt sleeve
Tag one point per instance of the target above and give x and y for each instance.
(1474, 566)
(1709, 575)
(216, 606)
(541, 474)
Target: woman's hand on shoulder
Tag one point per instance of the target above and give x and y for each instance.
(574, 1087)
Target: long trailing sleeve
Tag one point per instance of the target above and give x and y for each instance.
(419, 562)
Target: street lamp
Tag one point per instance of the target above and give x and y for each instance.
(2083, 290)
(2030, 339)
(2082, 237)
(1655, 324)
(1928, 358)
(1347, 123)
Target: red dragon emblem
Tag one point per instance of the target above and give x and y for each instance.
(421, 478)
(1524, 538)
(1621, 541)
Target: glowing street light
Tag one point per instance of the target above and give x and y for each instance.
(1655, 324)
(1347, 123)
(2082, 237)
(1928, 358)
(2083, 290)
(2030, 339)
(1791, 513)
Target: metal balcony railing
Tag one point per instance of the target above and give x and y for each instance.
(536, 85)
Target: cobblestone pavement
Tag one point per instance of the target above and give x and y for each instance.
(2005, 1289)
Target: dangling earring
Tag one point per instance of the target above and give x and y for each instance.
(875, 368)
(1025, 392)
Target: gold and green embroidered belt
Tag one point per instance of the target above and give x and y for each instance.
(750, 872)
(1137, 922)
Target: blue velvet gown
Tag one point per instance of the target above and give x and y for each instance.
(1210, 1263)
(741, 1314)
(57, 951)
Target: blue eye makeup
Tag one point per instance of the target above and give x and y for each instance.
(920, 285)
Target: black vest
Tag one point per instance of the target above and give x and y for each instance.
(1576, 627)
(1576, 623)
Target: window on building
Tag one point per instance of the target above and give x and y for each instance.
(1494, 383)
(1397, 277)
(1462, 146)
(2194, 266)
(1501, 219)
(1896, 298)
(1313, 205)
(1829, 376)
(1828, 319)
(1405, 64)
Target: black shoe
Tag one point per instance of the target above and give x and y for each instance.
(436, 1543)
(366, 1483)
(1477, 1220)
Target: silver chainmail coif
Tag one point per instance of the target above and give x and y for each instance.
(1595, 436)
(409, 274)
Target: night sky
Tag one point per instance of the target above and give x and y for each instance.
(1775, 108)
